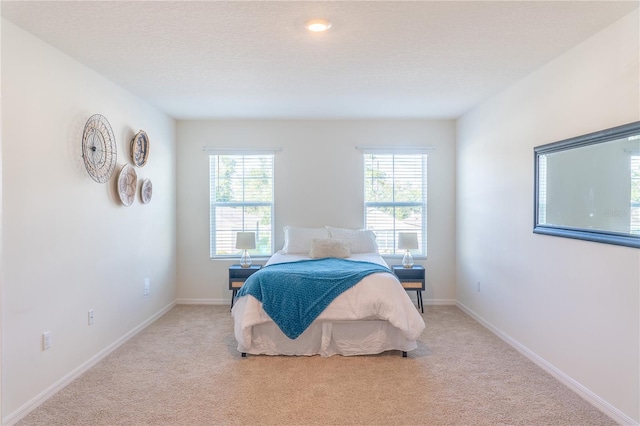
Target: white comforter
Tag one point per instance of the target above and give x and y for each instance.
(378, 296)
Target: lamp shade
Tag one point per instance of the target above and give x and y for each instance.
(246, 240)
(407, 240)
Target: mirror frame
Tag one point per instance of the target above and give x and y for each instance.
(599, 236)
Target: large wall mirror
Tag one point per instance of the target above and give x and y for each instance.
(588, 187)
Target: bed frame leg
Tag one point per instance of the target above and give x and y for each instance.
(244, 354)
(404, 354)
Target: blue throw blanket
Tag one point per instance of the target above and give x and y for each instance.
(294, 294)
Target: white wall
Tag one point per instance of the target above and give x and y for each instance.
(318, 181)
(68, 244)
(573, 303)
(1, 221)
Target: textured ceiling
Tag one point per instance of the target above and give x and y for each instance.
(241, 59)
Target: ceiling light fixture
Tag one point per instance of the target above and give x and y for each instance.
(318, 25)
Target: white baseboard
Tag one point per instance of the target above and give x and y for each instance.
(602, 405)
(203, 301)
(77, 372)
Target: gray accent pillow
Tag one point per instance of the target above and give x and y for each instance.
(321, 248)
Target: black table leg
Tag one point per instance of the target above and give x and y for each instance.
(233, 298)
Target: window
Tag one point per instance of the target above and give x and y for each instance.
(395, 198)
(241, 199)
(634, 225)
(542, 189)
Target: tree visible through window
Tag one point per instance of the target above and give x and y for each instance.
(395, 198)
(241, 199)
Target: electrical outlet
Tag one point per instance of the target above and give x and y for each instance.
(46, 340)
(90, 316)
(147, 285)
(478, 285)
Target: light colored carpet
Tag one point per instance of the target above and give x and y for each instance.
(184, 370)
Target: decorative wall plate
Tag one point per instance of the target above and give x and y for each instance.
(140, 148)
(127, 184)
(146, 190)
(99, 151)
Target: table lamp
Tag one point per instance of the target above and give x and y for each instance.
(407, 241)
(245, 241)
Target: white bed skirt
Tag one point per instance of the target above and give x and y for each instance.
(327, 338)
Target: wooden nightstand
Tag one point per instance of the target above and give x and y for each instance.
(237, 277)
(412, 279)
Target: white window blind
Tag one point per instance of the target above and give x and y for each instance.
(395, 199)
(634, 217)
(542, 189)
(241, 200)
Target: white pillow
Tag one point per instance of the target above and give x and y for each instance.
(298, 240)
(328, 248)
(358, 240)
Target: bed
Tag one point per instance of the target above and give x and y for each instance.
(370, 316)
